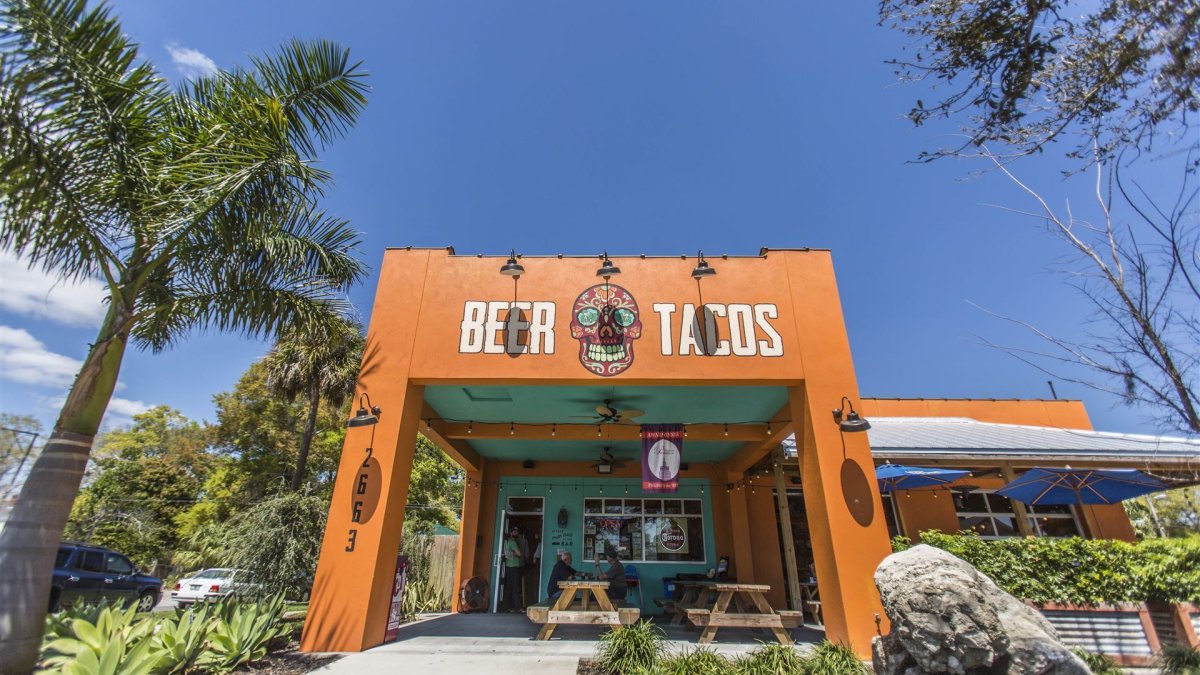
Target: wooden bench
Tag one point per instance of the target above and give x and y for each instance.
(792, 618)
(541, 613)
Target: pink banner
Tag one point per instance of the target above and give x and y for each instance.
(662, 451)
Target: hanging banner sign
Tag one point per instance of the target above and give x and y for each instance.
(396, 608)
(662, 451)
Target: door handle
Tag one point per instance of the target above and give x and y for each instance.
(108, 581)
(72, 578)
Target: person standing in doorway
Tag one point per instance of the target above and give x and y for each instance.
(512, 570)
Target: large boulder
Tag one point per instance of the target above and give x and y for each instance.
(948, 618)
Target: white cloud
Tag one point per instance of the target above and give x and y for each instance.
(23, 358)
(125, 407)
(35, 293)
(192, 63)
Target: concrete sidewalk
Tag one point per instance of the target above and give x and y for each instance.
(503, 643)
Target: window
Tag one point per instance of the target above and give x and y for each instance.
(64, 554)
(117, 564)
(891, 517)
(90, 561)
(992, 516)
(644, 530)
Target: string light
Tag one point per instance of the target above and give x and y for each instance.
(768, 428)
(727, 428)
(470, 426)
(553, 429)
(525, 488)
(685, 431)
(598, 428)
(512, 429)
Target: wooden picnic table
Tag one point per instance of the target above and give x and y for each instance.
(750, 603)
(561, 611)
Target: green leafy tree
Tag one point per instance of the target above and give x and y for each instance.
(278, 540)
(436, 491)
(1173, 513)
(318, 363)
(195, 206)
(260, 430)
(145, 477)
(1025, 73)
(18, 438)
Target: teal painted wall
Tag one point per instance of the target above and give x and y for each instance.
(570, 492)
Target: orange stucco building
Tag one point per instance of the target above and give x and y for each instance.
(513, 376)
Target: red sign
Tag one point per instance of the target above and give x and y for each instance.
(396, 610)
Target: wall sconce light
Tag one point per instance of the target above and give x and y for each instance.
(512, 268)
(852, 422)
(702, 269)
(363, 418)
(607, 268)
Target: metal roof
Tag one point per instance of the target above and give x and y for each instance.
(967, 441)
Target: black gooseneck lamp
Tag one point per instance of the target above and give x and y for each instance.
(851, 422)
(702, 268)
(367, 415)
(512, 268)
(607, 268)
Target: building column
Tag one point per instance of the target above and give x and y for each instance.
(743, 545)
(845, 518)
(352, 591)
(468, 535)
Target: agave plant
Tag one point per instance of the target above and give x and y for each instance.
(241, 634)
(118, 642)
(183, 640)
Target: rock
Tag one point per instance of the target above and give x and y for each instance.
(948, 618)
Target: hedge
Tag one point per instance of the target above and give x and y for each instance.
(1080, 571)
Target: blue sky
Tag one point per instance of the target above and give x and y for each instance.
(655, 128)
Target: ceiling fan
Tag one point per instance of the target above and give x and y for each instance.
(607, 414)
(607, 462)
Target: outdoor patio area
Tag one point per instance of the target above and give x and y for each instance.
(503, 643)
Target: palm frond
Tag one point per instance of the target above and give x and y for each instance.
(320, 91)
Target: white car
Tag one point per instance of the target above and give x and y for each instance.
(210, 584)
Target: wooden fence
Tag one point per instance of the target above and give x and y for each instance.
(443, 557)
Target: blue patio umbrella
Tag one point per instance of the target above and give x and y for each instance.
(1080, 486)
(900, 477)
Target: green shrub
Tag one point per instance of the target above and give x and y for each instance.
(421, 597)
(632, 649)
(772, 659)
(1179, 659)
(1082, 571)
(702, 661)
(829, 658)
(241, 634)
(1099, 664)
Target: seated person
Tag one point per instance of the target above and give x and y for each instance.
(562, 572)
(615, 575)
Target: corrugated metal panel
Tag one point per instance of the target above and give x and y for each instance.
(1111, 633)
(1164, 624)
(1195, 622)
(895, 436)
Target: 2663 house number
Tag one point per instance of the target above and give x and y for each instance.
(365, 497)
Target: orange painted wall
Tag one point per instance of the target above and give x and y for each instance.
(1061, 414)
(764, 530)
(921, 510)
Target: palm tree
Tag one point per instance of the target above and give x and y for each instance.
(320, 362)
(196, 206)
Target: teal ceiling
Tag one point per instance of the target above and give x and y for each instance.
(576, 451)
(530, 405)
(576, 405)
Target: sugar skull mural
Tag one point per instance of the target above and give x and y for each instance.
(605, 321)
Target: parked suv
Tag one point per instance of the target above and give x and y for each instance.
(85, 574)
